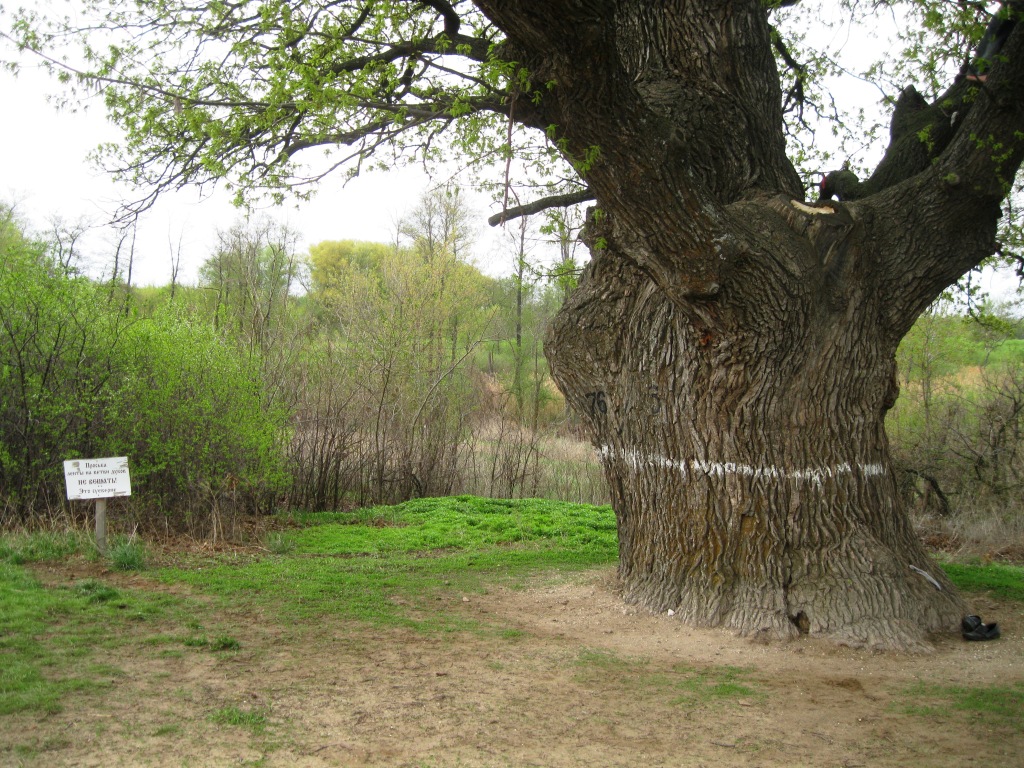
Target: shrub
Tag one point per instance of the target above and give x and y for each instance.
(57, 335)
(190, 416)
(81, 377)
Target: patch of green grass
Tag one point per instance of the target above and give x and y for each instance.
(377, 517)
(994, 705)
(127, 553)
(253, 719)
(278, 543)
(97, 592)
(225, 643)
(463, 523)
(50, 638)
(295, 588)
(459, 522)
(158, 640)
(42, 546)
(607, 662)
(26, 679)
(222, 643)
(399, 565)
(1003, 581)
(683, 684)
(698, 686)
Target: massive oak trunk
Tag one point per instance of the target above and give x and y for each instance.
(742, 437)
(732, 347)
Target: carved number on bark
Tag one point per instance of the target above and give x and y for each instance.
(596, 403)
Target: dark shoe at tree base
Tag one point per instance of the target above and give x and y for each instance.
(974, 629)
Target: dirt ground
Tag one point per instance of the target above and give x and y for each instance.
(562, 674)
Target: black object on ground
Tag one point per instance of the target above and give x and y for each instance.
(973, 628)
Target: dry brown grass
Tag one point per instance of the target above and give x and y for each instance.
(543, 463)
(977, 529)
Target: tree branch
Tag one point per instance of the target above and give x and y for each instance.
(541, 204)
(943, 195)
(452, 22)
(794, 97)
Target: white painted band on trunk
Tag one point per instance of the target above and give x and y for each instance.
(636, 460)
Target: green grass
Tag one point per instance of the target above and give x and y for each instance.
(128, 554)
(253, 719)
(682, 684)
(225, 643)
(53, 640)
(222, 643)
(279, 544)
(992, 705)
(42, 546)
(699, 686)
(459, 522)
(407, 565)
(1003, 581)
(97, 592)
(397, 565)
(403, 565)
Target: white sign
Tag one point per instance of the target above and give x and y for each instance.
(97, 478)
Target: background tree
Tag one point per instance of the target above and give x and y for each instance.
(564, 226)
(333, 262)
(250, 276)
(439, 228)
(731, 347)
(440, 225)
(390, 321)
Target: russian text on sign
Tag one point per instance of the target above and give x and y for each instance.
(97, 478)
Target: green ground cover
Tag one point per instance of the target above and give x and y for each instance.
(54, 640)
(387, 564)
(1002, 580)
(396, 566)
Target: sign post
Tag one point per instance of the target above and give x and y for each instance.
(98, 479)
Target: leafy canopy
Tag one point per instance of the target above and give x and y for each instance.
(236, 91)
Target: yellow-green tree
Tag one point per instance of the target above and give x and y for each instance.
(333, 262)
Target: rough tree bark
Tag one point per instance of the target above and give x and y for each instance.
(731, 347)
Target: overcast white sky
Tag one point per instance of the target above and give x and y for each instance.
(45, 172)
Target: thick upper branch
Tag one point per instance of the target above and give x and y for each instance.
(942, 213)
(541, 204)
(670, 109)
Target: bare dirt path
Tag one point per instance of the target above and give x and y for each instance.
(561, 674)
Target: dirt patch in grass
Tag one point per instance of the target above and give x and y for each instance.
(559, 673)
